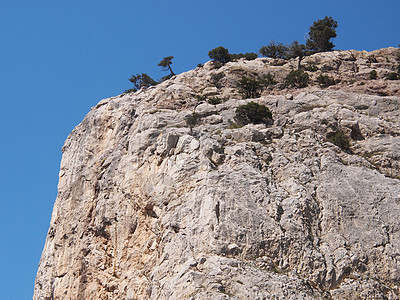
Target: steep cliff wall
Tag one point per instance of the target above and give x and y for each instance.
(148, 208)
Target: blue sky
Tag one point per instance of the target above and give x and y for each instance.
(59, 58)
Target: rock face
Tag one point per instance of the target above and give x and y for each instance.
(149, 208)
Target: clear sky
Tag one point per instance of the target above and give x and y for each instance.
(59, 58)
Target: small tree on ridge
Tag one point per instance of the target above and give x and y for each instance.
(220, 54)
(166, 65)
(320, 34)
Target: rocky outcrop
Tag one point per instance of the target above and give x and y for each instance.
(150, 208)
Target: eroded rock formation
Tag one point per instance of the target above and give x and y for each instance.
(149, 208)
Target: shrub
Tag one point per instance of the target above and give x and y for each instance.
(233, 125)
(216, 77)
(325, 81)
(373, 75)
(250, 87)
(247, 56)
(310, 67)
(297, 78)
(220, 54)
(269, 79)
(130, 91)
(340, 139)
(192, 120)
(250, 56)
(274, 50)
(372, 59)
(166, 77)
(295, 49)
(253, 113)
(141, 80)
(392, 76)
(214, 100)
(200, 97)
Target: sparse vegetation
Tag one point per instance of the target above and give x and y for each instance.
(130, 91)
(319, 36)
(214, 100)
(339, 139)
(274, 50)
(393, 76)
(253, 113)
(233, 125)
(141, 80)
(297, 78)
(250, 87)
(319, 39)
(269, 79)
(310, 67)
(247, 56)
(216, 77)
(220, 55)
(297, 50)
(200, 97)
(325, 81)
(373, 75)
(191, 120)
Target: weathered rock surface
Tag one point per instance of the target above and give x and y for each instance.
(149, 208)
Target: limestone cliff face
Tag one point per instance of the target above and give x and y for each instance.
(148, 208)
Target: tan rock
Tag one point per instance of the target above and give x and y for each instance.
(148, 208)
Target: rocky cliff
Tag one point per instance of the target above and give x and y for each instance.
(150, 208)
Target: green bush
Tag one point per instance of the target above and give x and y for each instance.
(310, 67)
(214, 100)
(340, 139)
(392, 76)
(325, 81)
(373, 75)
(250, 87)
(200, 97)
(250, 56)
(216, 77)
(297, 50)
(253, 113)
(297, 78)
(274, 50)
(247, 56)
(220, 54)
(269, 79)
(130, 91)
(141, 80)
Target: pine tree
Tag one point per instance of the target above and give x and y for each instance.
(166, 65)
(320, 34)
